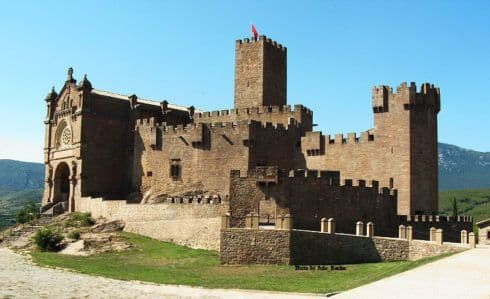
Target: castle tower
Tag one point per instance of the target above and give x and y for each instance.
(406, 130)
(260, 73)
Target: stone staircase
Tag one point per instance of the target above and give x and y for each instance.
(44, 219)
(54, 209)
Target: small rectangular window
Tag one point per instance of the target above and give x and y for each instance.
(175, 169)
(149, 173)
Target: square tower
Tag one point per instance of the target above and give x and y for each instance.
(260, 73)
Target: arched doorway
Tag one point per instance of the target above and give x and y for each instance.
(61, 183)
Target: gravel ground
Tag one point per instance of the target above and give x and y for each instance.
(464, 275)
(20, 278)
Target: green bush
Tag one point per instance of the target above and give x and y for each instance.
(29, 212)
(47, 239)
(74, 234)
(78, 219)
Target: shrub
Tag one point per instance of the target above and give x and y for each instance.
(74, 234)
(78, 219)
(29, 212)
(47, 239)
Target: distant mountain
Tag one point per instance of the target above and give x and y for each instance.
(20, 182)
(17, 176)
(461, 168)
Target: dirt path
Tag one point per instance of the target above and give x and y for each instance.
(465, 275)
(19, 278)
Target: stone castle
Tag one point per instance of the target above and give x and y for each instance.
(160, 166)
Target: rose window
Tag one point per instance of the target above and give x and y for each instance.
(66, 137)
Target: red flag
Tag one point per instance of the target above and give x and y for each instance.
(254, 31)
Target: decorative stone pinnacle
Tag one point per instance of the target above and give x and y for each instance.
(69, 77)
(51, 95)
(191, 110)
(85, 82)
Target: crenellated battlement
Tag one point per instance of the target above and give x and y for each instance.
(271, 174)
(407, 95)
(193, 133)
(261, 38)
(349, 138)
(199, 199)
(146, 122)
(255, 110)
(220, 126)
(315, 143)
(435, 218)
(276, 114)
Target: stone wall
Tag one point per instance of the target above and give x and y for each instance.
(451, 226)
(260, 73)
(206, 153)
(420, 249)
(484, 234)
(273, 114)
(315, 248)
(400, 151)
(106, 130)
(190, 224)
(300, 247)
(254, 246)
(310, 196)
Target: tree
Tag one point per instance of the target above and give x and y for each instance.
(29, 212)
(455, 208)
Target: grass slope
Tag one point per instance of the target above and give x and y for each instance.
(161, 262)
(470, 202)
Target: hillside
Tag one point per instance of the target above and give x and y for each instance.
(12, 201)
(20, 182)
(470, 202)
(461, 168)
(17, 176)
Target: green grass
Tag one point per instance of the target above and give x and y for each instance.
(474, 202)
(160, 262)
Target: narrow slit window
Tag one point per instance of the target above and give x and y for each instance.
(175, 169)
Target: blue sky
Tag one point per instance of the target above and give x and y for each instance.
(183, 51)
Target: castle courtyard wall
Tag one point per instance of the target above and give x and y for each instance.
(196, 225)
(256, 246)
(310, 196)
(451, 226)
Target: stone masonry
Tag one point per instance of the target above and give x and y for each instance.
(301, 247)
(123, 150)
